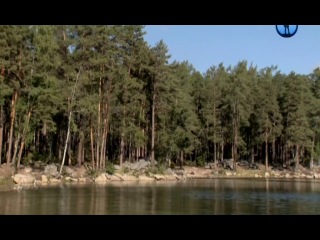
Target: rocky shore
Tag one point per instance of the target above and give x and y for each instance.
(39, 175)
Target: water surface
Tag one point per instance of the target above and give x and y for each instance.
(212, 196)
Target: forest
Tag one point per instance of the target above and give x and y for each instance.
(95, 95)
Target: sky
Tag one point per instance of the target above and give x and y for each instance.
(209, 45)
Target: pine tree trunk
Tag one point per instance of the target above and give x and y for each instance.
(1, 133)
(181, 159)
(222, 151)
(273, 150)
(69, 122)
(129, 149)
(214, 136)
(121, 149)
(235, 145)
(12, 118)
(92, 146)
(297, 157)
(252, 154)
(266, 152)
(69, 154)
(66, 143)
(312, 153)
(79, 160)
(215, 155)
(20, 152)
(25, 131)
(15, 150)
(153, 130)
(105, 132)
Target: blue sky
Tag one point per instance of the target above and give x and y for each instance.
(207, 45)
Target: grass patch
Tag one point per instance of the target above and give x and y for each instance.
(5, 181)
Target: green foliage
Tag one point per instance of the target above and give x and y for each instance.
(159, 169)
(201, 160)
(110, 169)
(122, 80)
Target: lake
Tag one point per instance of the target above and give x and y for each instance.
(209, 197)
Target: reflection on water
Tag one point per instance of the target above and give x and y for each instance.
(214, 196)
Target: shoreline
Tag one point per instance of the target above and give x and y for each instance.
(47, 175)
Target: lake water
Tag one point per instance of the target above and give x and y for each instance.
(212, 196)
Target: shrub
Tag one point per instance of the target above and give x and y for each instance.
(110, 169)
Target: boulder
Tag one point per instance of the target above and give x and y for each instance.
(117, 167)
(54, 180)
(101, 178)
(23, 178)
(316, 175)
(129, 178)
(141, 164)
(169, 172)
(145, 178)
(172, 177)
(44, 179)
(267, 174)
(256, 175)
(114, 177)
(67, 179)
(51, 170)
(27, 170)
(228, 173)
(69, 171)
(159, 177)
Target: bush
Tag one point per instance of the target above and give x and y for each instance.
(110, 169)
(201, 161)
(160, 169)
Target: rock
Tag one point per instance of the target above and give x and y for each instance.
(51, 170)
(129, 178)
(116, 167)
(141, 164)
(256, 175)
(228, 173)
(101, 178)
(227, 164)
(69, 171)
(23, 178)
(113, 177)
(181, 177)
(74, 179)
(172, 177)
(180, 172)
(44, 179)
(27, 170)
(287, 175)
(67, 179)
(81, 179)
(145, 178)
(54, 180)
(159, 177)
(266, 174)
(118, 176)
(316, 175)
(169, 172)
